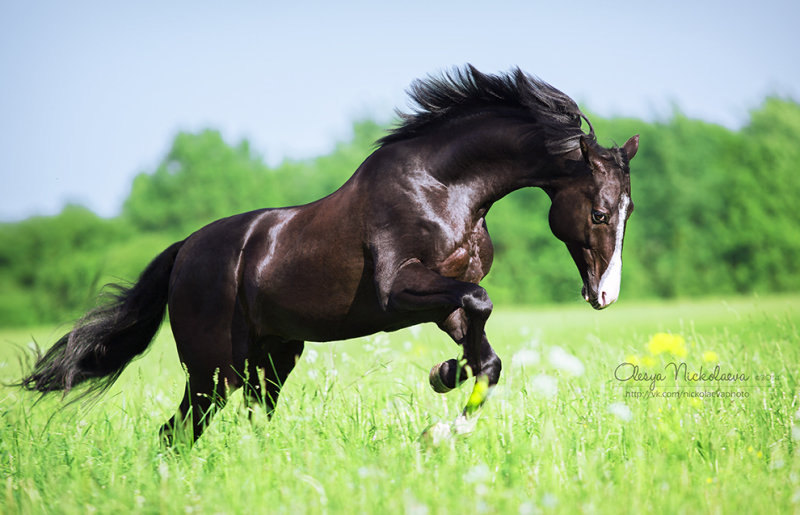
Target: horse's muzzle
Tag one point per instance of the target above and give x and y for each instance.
(598, 300)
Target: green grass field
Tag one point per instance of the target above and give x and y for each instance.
(560, 433)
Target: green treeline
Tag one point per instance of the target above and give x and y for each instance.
(716, 213)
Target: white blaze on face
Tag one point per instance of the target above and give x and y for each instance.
(608, 289)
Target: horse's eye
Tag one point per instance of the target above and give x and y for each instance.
(598, 217)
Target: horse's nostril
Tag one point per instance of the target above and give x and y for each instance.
(603, 298)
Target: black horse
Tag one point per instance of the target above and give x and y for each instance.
(403, 241)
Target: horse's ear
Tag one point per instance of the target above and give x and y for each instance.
(586, 150)
(631, 146)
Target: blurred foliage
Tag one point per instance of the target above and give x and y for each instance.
(715, 214)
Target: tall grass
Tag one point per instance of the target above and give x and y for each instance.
(559, 433)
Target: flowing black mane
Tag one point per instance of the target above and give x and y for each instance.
(555, 116)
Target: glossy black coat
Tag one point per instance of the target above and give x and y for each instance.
(403, 241)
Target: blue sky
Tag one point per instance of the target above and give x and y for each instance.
(93, 93)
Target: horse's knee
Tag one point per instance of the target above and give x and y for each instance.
(476, 303)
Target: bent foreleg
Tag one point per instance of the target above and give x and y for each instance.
(461, 309)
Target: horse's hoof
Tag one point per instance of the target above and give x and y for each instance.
(436, 381)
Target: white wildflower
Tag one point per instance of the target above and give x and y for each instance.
(549, 500)
(545, 385)
(438, 433)
(464, 425)
(525, 358)
(413, 506)
(621, 411)
(311, 355)
(478, 474)
(563, 360)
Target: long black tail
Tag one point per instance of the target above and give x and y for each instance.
(107, 338)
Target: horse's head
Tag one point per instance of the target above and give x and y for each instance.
(589, 212)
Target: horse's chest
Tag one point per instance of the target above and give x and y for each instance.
(471, 260)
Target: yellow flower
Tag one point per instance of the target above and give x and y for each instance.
(648, 362)
(479, 393)
(664, 342)
(710, 356)
(633, 360)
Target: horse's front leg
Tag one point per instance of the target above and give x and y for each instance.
(452, 373)
(461, 309)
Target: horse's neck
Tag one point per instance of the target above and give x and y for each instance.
(490, 164)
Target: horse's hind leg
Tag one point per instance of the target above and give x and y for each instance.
(202, 398)
(270, 360)
(212, 350)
